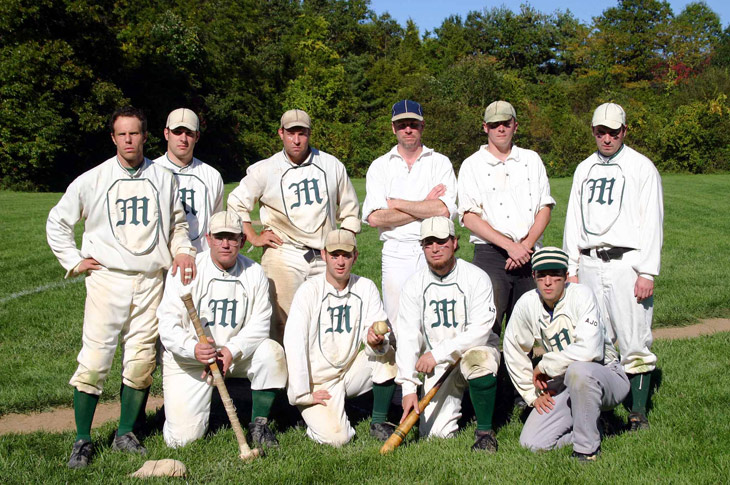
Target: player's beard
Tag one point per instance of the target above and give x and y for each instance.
(440, 265)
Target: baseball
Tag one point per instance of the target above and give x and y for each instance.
(380, 328)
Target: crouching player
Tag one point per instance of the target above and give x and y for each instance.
(331, 316)
(579, 374)
(231, 295)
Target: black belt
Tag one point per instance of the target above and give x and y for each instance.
(311, 254)
(607, 255)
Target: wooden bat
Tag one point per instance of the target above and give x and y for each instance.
(246, 453)
(401, 431)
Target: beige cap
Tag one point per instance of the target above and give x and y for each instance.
(183, 117)
(439, 227)
(610, 115)
(295, 117)
(340, 240)
(499, 111)
(225, 221)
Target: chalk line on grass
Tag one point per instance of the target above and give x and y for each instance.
(40, 289)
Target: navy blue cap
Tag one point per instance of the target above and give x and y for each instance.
(407, 110)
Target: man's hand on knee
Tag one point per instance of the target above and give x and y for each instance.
(410, 401)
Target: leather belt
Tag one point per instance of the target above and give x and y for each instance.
(607, 255)
(311, 254)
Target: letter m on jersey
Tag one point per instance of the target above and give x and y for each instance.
(224, 312)
(601, 190)
(187, 196)
(560, 338)
(308, 189)
(134, 210)
(445, 313)
(341, 315)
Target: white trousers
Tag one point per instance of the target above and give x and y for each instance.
(441, 417)
(286, 269)
(628, 323)
(119, 305)
(400, 261)
(329, 424)
(187, 397)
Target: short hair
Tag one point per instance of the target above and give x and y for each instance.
(129, 112)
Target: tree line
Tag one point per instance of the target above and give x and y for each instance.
(65, 65)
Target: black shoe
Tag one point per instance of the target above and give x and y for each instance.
(382, 431)
(128, 442)
(261, 434)
(81, 454)
(485, 441)
(586, 458)
(638, 421)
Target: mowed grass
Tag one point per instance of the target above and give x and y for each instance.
(40, 334)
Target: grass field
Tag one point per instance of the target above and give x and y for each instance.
(40, 335)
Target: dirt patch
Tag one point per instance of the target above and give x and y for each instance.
(62, 419)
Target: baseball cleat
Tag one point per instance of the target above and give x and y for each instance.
(586, 457)
(261, 434)
(638, 421)
(382, 431)
(485, 441)
(128, 442)
(81, 454)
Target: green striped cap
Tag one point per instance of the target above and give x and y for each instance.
(549, 258)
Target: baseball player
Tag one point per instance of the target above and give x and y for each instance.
(134, 229)
(302, 194)
(579, 374)
(201, 186)
(447, 312)
(613, 236)
(504, 200)
(231, 294)
(331, 317)
(406, 185)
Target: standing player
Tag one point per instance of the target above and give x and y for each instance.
(331, 317)
(504, 200)
(446, 313)
(579, 374)
(201, 186)
(613, 236)
(406, 185)
(302, 194)
(231, 294)
(134, 224)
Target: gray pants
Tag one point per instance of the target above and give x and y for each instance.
(589, 388)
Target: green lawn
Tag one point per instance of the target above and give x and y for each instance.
(40, 335)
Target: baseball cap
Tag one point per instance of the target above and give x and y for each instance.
(549, 257)
(295, 117)
(439, 227)
(183, 117)
(340, 240)
(407, 109)
(225, 221)
(610, 115)
(499, 111)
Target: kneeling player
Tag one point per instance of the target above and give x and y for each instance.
(231, 294)
(330, 317)
(578, 376)
(447, 312)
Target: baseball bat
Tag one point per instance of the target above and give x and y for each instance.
(402, 430)
(246, 453)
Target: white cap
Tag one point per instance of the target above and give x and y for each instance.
(439, 227)
(609, 115)
(183, 117)
(225, 221)
(295, 117)
(499, 111)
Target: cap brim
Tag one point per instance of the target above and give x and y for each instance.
(407, 116)
(498, 117)
(295, 124)
(184, 125)
(348, 248)
(614, 125)
(551, 265)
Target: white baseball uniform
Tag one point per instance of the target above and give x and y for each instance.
(234, 309)
(507, 195)
(580, 359)
(133, 224)
(300, 204)
(451, 317)
(390, 178)
(201, 193)
(322, 340)
(614, 203)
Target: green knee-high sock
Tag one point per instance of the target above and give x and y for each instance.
(84, 408)
(639, 391)
(132, 401)
(382, 395)
(483, 392)
(262, 402)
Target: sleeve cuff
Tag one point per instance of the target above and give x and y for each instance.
(189, 250)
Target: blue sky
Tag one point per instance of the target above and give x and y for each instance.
(429, 14)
